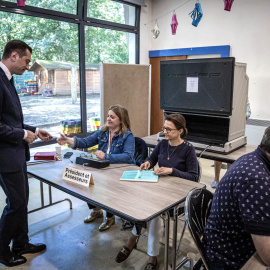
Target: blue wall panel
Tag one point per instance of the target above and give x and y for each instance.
(224, 51)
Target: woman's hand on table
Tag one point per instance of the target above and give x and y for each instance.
(100, 154)
(163, 171)
(145, 166)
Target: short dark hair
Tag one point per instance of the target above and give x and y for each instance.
(265, 143)
(179, 121)
(16, 45)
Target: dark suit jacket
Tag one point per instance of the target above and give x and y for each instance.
(14, 151)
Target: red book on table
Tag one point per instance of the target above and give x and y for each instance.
(44, 155)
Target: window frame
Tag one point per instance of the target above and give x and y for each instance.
(81, 20)
(118, 25)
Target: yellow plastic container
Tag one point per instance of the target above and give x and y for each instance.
(95, 123)
(71, 126)
(92, 149)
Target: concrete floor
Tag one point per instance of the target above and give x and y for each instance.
(71, 244)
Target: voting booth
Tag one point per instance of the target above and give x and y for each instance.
(212, 96)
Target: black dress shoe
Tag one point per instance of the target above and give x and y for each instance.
(29, 248)
(12, 260)
(124, 253)
(151, 266)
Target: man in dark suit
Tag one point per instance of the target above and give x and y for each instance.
(15, 137)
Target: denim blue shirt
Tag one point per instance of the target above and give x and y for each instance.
(122, 147)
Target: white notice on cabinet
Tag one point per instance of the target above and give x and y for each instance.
(192, 84)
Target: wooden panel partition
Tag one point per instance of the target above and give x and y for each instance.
(127, 85)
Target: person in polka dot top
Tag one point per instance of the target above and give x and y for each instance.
(239, 221)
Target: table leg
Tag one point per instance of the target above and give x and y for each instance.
(167, 232)
(41, 193)
(175, 222)
(50, 200)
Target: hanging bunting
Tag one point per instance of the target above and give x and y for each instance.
(228, 4)
(20, 3)
(165, 13)
(155, 31)
(174, 23)
(196, 14)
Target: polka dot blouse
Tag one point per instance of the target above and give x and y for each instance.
(241, 207)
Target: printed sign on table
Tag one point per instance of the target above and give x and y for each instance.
(80, 177)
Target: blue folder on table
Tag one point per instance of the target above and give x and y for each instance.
(143, 176)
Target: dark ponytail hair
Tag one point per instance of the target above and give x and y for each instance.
(179, 121)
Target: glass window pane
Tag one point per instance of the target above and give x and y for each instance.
(111, 11)
(67, 6)
(50, 90)
(107, 46)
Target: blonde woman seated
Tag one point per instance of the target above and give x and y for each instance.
(176, 157)
(115, 143)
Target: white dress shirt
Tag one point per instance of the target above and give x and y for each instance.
(6, 70)
(9, 76)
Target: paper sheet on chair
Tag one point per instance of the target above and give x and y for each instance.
(143, 176)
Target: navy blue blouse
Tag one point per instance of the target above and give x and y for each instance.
(182, 159)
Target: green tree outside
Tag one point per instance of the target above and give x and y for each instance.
(58, 41)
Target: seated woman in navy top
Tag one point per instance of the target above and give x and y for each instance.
(115, 143)
(176, 157)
